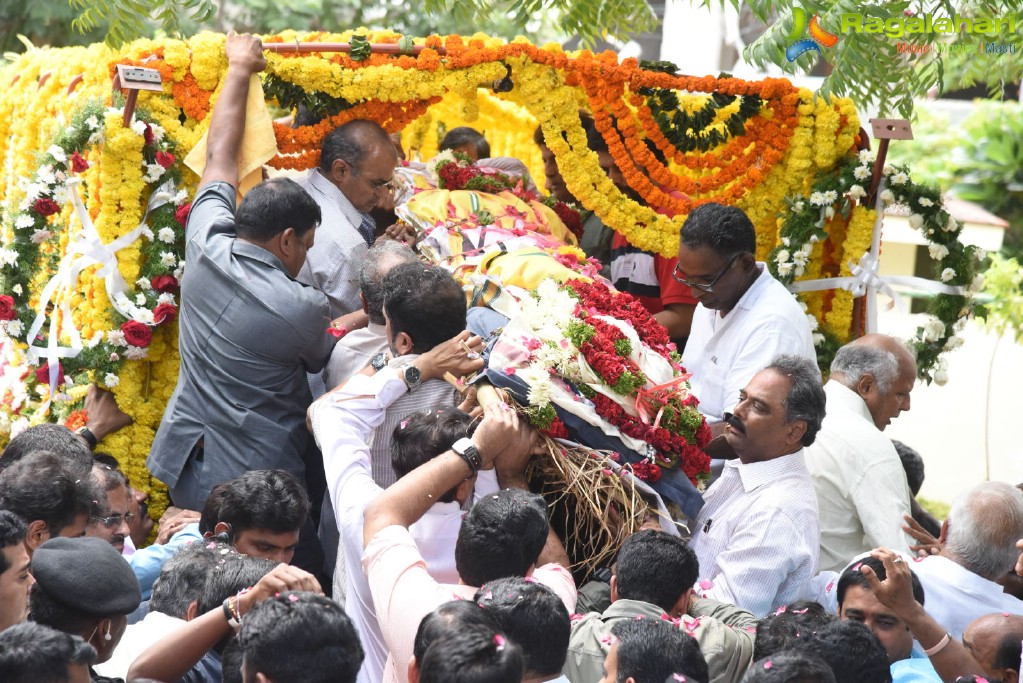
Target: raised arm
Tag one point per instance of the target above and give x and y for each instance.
(244, 58)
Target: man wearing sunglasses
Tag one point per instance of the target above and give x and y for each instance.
(111, 515)
(744, 318)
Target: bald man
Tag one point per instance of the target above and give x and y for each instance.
(994, 641)
(862, 492)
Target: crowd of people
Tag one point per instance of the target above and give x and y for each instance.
(386, 531)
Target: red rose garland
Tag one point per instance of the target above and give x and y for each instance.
(137, 334)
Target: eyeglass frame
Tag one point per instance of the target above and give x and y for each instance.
(127, 517)
(708, 287)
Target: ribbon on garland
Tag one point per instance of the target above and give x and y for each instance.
(866, 279)
(84, 250)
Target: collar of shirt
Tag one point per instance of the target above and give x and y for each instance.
(257, 253)
(756, 474)
(376, 329)
(842, 397)
(749, 299)
(334, 193)
(627, 609)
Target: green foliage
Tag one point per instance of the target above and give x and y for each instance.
(623, 347)
(980, 160)
(1003, 281)
(541, 417)
(126, 20)
(936, 507)
(867, 67)
(290, 97)
(579, 333)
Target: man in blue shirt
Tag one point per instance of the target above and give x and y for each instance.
(249, 332)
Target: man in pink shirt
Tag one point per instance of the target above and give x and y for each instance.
(504, 534)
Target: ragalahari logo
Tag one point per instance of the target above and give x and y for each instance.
(818, 36)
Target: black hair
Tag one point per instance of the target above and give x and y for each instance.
(210, 514)
(379, 260)
(790, 667)
(12, 532)
(501, 535)
(475, 653)
(726, 230)
(424, 302)
(595, 140)
(44, 486)
(448, 618)
(534, 617)
(33, 653)
(273, 500)
(781, 631)
(913, 464)
(1009, 651)
(183, 576)
(50, 437)
(853, 652)
(806, 400)
(272, 207)
(44, 609)
(351, 143)
(651, 651)
(852, 576)
(108, 460)
(231, 662)
(655, 567)
(424, 436)
(464, 135)
(301, 638)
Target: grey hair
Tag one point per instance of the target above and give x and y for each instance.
(806, 399)
(983, 527)
(380, 258)
(855, 360)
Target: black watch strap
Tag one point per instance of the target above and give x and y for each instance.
(89, 437)
(466, 449)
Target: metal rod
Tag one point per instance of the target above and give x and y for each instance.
(376, 48)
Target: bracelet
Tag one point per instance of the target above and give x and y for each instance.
(231, 611)
(942, 644)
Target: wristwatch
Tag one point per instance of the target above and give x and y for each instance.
(89, 437)
(413, 378)
(467, 450)
(379, 361)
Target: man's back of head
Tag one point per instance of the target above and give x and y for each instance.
(300, 638)
(790, 667)
(983, 527)
(782, 630)
(534, 617)
(476, 653)
(502, 535)
(654, 651)
(273, 206)
(51, 497)
(424, 306)
(32, 653)
(995, 640)
(262, 512)
(49, 437)
(183, 578)
(657, 568)
(422, 436)
(380, 259)
(853, 652)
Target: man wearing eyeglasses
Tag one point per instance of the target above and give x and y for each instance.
(744, 317)
(111, 516)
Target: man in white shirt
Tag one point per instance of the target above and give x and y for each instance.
(745, 317)
(979, 536)
(356, 350)
(357, 162)
(758, 536)
(861, 485)
(342, 422)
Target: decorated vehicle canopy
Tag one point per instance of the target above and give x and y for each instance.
(95, 200)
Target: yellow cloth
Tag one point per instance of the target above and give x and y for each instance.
(525, 268)
(259, 144)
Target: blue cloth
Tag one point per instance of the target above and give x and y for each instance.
(916, 669)
(248, 334)
(147, 562)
